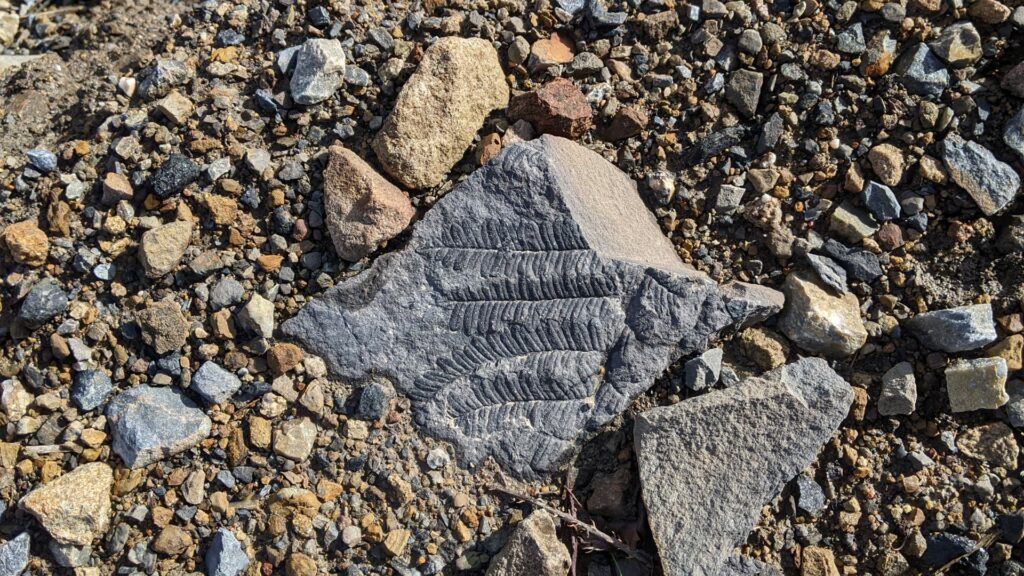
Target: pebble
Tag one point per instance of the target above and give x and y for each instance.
(859, 264)
(172, 541)
(899, 391)
(703, 371)
(225, 556)
(363, 209)
(90, 389)
(319, 70)
(881, 202)
(15, 553)
(158, 80)
(1013, 132)
(810, 496)
(989, 11)
(226, 292)
(764, 348)
(74, 508)
(976, 384)
(547, 53)
(373, 401)
(26, 243)
(175, 107)
(1013, 80)
(887, 163)
(993, 443)
(534, 548)
(149, 424)
(8, 30)
(164, 327)
(173, 176)
(955, 329)
(458, 83)
(743, 90)
(257, 316)
(944, 547)
(44, 301)
(162, 248)
(829, 272)
(558, 108)
(283, 357)
(852, 223)
(817, 561)
(922, 71)
(214, 384)
(629, 121)
(42, 160)
(819, 321)
(959, 45)
(992, 183)
(295, 438)
(116, 187)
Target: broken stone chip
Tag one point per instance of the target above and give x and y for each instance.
(708, 464)
(532, 304)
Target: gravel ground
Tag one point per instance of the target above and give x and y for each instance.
(164, 211)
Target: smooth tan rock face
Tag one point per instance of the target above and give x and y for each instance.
(163, 247)
(363, 209)
(439, 111)
(976, 384)
(819, 321)
(74, 508)
(993, 443)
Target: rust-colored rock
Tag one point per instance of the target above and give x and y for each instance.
(283, 357)
(627, 122)
(27, 243)
(363, 209)
(557, 108)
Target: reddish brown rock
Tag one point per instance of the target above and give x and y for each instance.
(557, 108)
(363, 209)
(627, 122)
(890, 236)
(548, 52)
(27, 243)
(989, 11)
(283, 357)
(116, 187)
(488, 148)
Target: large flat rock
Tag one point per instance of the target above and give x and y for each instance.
(708, 464)
(530, 306)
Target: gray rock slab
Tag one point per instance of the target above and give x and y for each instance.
(708, 464)
(149, 424)
(921, 71)
(829, 271)
(991, 182)
(531, 305)
(955, 329)
(214, 384)
(15, 554)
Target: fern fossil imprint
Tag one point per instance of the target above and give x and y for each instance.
(531, 305)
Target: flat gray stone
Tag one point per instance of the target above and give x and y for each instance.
(214, 384)
(531, 305)
(921, 71)
(992, 183)
(708, 464)
(829, 271)
(15, 554)
(955, 329)
(149, 424)
(703, 371)
(899, 391)
(225, 556)
(319, 70)
(744, 91)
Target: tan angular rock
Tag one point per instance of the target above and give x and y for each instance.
(163, 247)
(534, 549)
(819, 321)
(164, 327)
(175, 107)
(1010, 349)
(295, 439)
(27, 243)
(172, 541)
(549, 52)
(887, 163)
(440, 109)
(993, 443)
(817, 561)
(976, 384)
(363, 209)
(989, 11)
(74, 508)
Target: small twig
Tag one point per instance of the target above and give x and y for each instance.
(638, 555)
(54, 12)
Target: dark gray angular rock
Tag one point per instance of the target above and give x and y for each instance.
(373, 401)
(90, 389)
(149, 424)
(744, 91)
(42, 160)
(15, 554)
(955, 329)
(530, 306)
(946, 547)
(157, 80)
(225, 556)
(851, 40)
(226, 292)
(921, 71)
(173, 176)
(881, 202)
(703, 371)
(214, 384)
(1013, 132)
(810, 496)
(859, 263)
(831, 273)
(44, 301)
(703, 499)
(991, 183)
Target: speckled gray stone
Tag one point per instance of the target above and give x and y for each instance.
(532, 304)
(225, 556)
(15, 554)
(955, 329)
(149, 424)
(708, 464)
(214, 384)
(992, 183)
